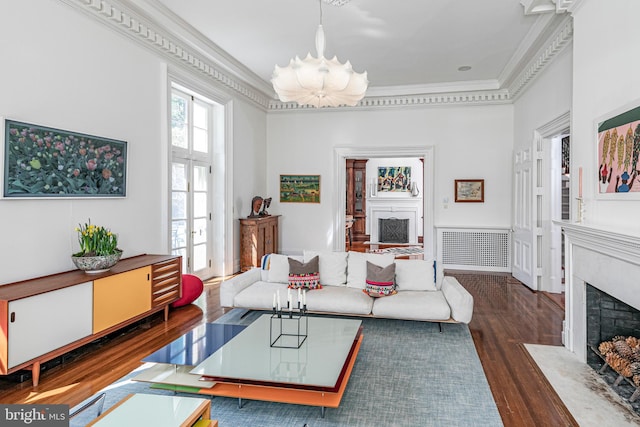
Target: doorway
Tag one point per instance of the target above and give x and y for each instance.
(341, 154)
(540, 183)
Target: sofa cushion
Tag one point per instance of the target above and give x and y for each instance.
(380, 280)
(260, 295)
(414, 275)
(333, 267)
(304, 274)
(278, 267)
(339, 299)
(357, 267)
(413, 305)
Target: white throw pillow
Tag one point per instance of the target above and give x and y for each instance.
(278, 268)
(414, 275)
(357, 267)
(333, 267)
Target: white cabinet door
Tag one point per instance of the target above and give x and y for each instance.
(45, 322)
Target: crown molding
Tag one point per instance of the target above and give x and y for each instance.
(157, 29)
(407, 101)
(561, 38)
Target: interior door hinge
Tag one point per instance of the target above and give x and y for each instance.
(188, 263)
(209, 263)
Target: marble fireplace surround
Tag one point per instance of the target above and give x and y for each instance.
(605, 258)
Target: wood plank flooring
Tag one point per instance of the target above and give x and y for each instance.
(506, 314)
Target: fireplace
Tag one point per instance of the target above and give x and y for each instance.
(393, 230)
(608, 317)
(603, 298)
(610, 323)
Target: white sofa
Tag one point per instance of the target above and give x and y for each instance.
(343, 276)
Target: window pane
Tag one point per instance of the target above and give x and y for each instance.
(200, 205)
(179, 122)
(200, 178)
(200, 231)
(178, 177)
(200, 115)
(178, 205)
(200, 140)
(199, 257)
(183, 253)
(178, 234)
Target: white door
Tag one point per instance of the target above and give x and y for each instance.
(524, 221)
(191, 167)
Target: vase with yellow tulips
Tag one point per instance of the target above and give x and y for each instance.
(98, 248)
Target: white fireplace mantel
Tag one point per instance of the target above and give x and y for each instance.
(604, 257)
(401, 208)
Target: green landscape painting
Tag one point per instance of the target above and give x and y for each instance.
(300, 188)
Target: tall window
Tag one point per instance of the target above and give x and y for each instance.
(192, 133)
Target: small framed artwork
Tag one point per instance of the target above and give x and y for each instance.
(394, 178)
(469, 190)
(300, 188)
(618, 151)
(43, 162)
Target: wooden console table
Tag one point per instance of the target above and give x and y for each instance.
(48, 316)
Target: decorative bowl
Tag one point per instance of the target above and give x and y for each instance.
(96, 264)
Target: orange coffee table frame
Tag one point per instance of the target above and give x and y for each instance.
(284, 394)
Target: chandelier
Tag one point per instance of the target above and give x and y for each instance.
(319, 82)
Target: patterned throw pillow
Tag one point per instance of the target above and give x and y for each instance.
(304, 275)
(380, 280)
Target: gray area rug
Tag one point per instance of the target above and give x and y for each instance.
(407, 374)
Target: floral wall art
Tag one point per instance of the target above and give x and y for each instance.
(44, 162)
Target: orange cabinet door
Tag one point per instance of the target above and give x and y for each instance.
(120, 297)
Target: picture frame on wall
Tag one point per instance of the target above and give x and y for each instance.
(300, 188)
(44, 162)
(618, 153)
(394, 179)
(469, 190)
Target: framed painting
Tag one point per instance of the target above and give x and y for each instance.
(618, 142)
(469, 190)
(394, 178)
(43, 162)
(300, 188)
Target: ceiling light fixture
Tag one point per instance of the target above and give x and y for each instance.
(319, 82)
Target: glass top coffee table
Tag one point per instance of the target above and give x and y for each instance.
(316, 374)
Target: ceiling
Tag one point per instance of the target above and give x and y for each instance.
(405, 46)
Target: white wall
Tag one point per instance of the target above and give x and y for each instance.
(605, 78)
(65, 70)
(547, 97)
(470, 142)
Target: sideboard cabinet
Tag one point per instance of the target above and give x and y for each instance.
(48, 316)
(258, 237)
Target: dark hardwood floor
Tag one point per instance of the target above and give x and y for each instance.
(506, 315)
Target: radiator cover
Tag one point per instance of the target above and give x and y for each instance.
(475, 249)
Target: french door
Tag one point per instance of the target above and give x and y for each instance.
(524, 221)
(191, 167)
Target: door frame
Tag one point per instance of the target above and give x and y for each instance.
(339, 203)
(222, 157)
(551, 241)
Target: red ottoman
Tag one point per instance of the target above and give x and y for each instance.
(192, 287)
